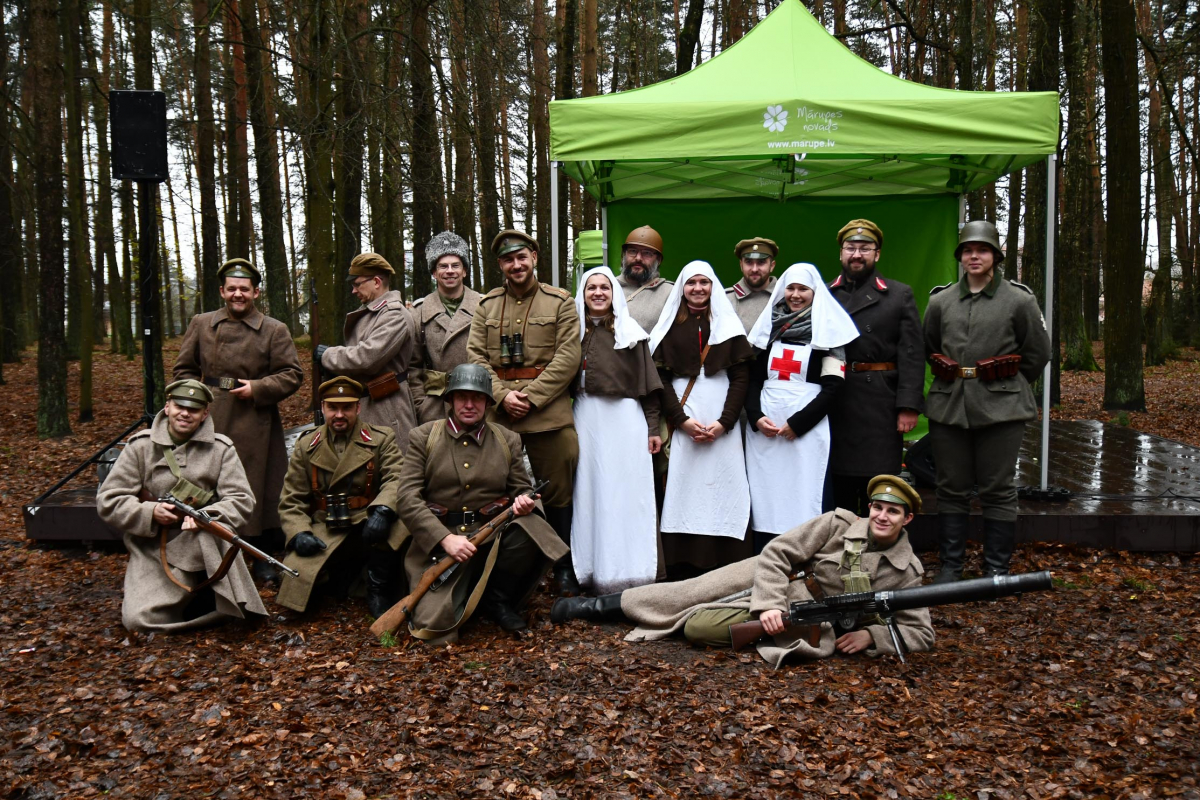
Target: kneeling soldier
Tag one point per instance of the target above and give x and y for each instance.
(339, 498)
(457, 474)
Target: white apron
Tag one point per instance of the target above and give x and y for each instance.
(706, 491)
(613, 541)
(787, 479)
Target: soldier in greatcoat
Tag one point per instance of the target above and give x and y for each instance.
(885, 369)
(443, 320)
(458, 474)
(527, 336)
(751, 294)
(645, 290)
(987, 343)
(167, 581)
(380, 336)
(339, 504)
(249, 361)
(839, 553)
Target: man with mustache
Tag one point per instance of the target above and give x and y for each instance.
(645, 291)
(750, 295)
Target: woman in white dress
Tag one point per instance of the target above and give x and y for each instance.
(703, 357)
(795, 380)
(617, 394)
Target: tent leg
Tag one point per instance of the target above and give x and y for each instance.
(1051, 192)
(554, 276)
(604, 233)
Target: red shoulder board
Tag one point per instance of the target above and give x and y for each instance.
(879, 284)
(836, 283)
(315, 441)
(365, 434)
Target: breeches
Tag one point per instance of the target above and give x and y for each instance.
(984, 457)
(553, 456)
(710, 626)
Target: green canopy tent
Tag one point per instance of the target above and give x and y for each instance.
(787, 134)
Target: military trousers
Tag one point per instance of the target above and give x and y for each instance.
(554, 456)
(710, 626)
(977, 457)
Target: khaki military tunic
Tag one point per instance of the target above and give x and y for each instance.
(646, 301)
(465, 470)
(441, 346)
(152, 601)
(749, 303)
(260, 350)
(380, 337)
(367, 448)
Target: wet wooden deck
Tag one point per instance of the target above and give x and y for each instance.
(1129, 491)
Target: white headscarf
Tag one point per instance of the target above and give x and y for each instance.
(625, 328)
(831, 325)
(724, 324)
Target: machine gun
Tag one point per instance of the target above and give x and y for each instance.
(847, 610)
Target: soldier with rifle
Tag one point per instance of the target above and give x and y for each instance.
(180, 577)
(339, 504)
(458, 474)
(829, 555)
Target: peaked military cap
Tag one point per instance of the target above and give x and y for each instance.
(190, 393)
(340, 390)
(756, 249)
(510, 241)
(238, 268)
(860, 230)
(890, 489)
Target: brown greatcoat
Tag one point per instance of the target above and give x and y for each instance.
(550, 323)
(462, 473)
(441, 346)
(818, 545)
(335, 474)
(260, 350)
(629, 372)
(152, 601)
(380, 337)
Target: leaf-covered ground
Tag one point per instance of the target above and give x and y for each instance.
(1088, 691)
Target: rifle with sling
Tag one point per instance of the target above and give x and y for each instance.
(209, 525)
(394, 617)
(847, 610)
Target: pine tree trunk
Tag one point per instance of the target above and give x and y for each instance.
(541, 91)
(689, 36)
(486, 73)
(462, 205)
(210, 222)
(77, 215)
(316, 115)
(1160, 343)
(11, 262)
(565, 79)
(425, 166)
(348, 167)
(149, 278)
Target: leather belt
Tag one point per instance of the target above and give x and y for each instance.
(518, 373)
(866, 366)
(220, 383)
(461, 520)
(353, 502)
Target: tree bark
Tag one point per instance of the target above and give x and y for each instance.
(1160, 344)
(316, 116)
(11, 262)
(77, 216)
(425, 167)
(565, 79)
(149, 279)
(541, 90)
(348, 166)
(240, 160)
(210, 222)
(486, 73)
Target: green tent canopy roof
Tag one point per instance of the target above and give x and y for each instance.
(788, 112)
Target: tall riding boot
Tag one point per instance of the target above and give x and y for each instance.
(383, 566)
(952, 546)
(999, 541)
(564, 570)
(605, 608)
(499, 604)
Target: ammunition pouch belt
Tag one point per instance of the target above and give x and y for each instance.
(986, 369)
(865, 366)
(183, 489)
(459, 521)
(385, 384)
(221, 383)
(519, 373)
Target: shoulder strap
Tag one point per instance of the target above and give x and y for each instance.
(172, 464)
(434, 437)
(495, 429)
(692, 382)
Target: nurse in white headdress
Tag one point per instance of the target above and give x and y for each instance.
(800, 368)
(700, 347)
(614, 542)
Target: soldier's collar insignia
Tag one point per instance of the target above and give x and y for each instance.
(879, 284)
(837, 282)
(739, 290)
(366, 436)
(315, 441)
(380, 304)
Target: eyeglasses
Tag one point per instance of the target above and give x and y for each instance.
(857, 249)
(644, 252)
(360, 282)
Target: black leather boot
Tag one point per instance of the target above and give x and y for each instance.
(952, 546)
(382, 569)
(564, 570)
(498, 603)
(605, 608)
(999, 541)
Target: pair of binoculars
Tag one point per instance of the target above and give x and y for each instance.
(337, 511)
(512, 350)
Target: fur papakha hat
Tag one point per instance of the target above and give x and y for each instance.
(447, 243)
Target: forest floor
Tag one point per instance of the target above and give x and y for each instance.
(1087, 691)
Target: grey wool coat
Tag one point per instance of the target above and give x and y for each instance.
(441, 346)
(152, 601)
(380, 337)
(260, 350)
(662, 609)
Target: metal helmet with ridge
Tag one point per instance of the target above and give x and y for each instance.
(981, 231)
(469, 378)
(645, 236)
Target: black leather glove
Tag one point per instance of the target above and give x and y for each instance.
(321, 348)
(305, 544)
(378, 525)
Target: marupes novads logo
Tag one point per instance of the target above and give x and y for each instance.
(775, 119)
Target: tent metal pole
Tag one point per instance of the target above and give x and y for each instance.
(604, 233)
(554, 279)
(1051, 213)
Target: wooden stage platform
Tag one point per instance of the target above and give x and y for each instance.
(1129, 491)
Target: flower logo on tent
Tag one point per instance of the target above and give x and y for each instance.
(775, 120)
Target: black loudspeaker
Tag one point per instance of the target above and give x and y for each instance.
(139, 135)
(920, 464)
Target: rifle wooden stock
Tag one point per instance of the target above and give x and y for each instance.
(209, 525)
(391, 620)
